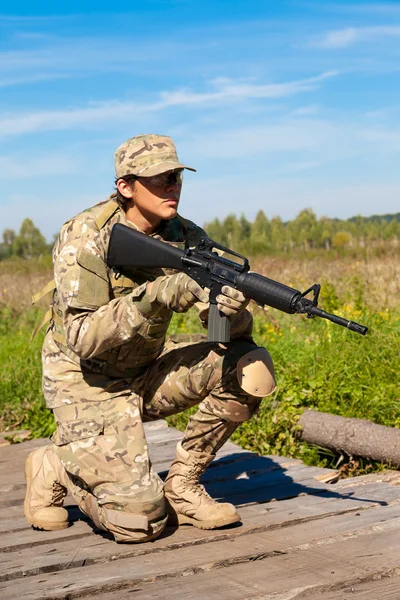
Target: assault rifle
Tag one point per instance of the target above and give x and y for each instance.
(131, 248)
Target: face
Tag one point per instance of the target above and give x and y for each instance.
(154, 198)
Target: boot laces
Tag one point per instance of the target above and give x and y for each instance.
(192, 478)
(58, 493)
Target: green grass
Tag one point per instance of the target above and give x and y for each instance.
(318, 366)
(322, 367)
(21, 400)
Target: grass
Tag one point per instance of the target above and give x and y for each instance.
(318, 365)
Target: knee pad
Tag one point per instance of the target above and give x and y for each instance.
(133, 528)
(136, 522)
(255, 373)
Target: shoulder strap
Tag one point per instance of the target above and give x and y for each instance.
(45, 319)
(108, 211)
(49, 287)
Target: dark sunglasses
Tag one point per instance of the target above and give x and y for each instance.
(164, 179)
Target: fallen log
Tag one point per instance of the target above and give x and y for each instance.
(355, 437)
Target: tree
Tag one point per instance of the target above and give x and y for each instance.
(341, 239)
(245, 229)
(304, 229)
(6, 247)
(260, 234)
(231, 229)
(29, 243)
(278, 234)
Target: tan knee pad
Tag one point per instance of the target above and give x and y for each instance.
(136, 522)
(133, 528)
(255, 373)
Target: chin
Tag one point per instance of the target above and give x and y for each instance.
(170, 214)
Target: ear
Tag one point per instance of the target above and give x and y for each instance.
(125, 188)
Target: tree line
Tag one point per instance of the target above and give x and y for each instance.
(306, 232)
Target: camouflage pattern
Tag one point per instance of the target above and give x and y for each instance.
(103, 448)
(178, 293)
(107, 368)
(147, 155)
(103, 444)
(231, 301)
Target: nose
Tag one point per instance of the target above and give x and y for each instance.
(174, 185)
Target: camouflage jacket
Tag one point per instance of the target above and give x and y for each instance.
(103, 329)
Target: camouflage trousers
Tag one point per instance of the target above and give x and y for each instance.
(103, 447)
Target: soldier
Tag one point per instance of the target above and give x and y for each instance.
(107, 367)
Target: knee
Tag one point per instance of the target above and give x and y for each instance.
(252, 379)
(134, 522)
(255, 373)
(133, 527)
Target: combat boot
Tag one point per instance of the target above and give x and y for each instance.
(188, 501)
(46, 481)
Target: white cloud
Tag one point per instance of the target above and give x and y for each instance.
(222, 91)
(388, 138)
(229, 90)
(343, 38)
(305, 110)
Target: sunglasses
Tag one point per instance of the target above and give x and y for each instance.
(165, 179)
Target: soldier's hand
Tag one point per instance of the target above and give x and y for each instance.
(231, 302)
(177, 292)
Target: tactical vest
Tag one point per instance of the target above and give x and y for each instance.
(131, 357)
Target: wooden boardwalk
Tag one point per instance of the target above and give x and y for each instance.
(299, 538)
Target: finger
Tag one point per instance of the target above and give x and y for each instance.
(229, 302)
(227, 310)
(230, 292)
(198, 292)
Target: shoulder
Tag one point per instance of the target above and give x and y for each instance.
(83, 229)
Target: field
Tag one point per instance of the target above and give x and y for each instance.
(318, 365)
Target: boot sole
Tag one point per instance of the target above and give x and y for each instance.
(209, 524)
(37, 523)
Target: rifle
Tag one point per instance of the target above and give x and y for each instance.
(131, 248)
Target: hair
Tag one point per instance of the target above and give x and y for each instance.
(120, 198)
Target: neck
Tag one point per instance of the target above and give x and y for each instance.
(146, 223)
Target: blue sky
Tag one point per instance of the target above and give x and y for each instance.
(280, 105)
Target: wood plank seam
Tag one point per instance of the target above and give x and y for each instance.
(226, 536)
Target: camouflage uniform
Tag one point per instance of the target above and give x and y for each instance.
(107, 368)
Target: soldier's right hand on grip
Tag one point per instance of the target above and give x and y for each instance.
(177, 292)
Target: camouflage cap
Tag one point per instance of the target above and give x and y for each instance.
(147, 155)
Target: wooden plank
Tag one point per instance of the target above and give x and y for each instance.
(26, 559)
(241, 467)
(244, 582)
(387, 588)
(12, 519)
(340, 558)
